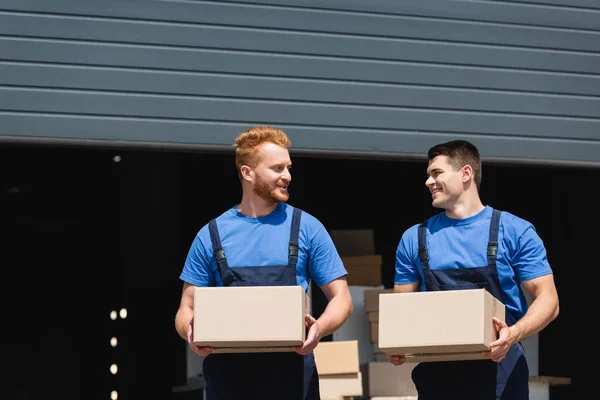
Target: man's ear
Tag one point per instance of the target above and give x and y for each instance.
(467, 173)
(247, 173)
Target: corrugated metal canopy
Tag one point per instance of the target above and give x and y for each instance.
(380, 79)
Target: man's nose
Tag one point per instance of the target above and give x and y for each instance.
(430, 181)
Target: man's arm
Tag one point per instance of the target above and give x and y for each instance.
(543, 310)
(184, 320)
(338, 310)
(339, 306)
(185, 313)
(408, 287)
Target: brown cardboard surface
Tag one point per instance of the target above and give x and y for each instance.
(353, 242)
(244, 319)
(364, 276)
(374, 331)
(387, 379)
(445, 324)
(429, 357)
(332, 386)
(337, 357)
(371, 298)
(363, 270)
(370, 261)
(373, 316)
(257, 349)
(551, 380)
(394, 398)
(339, 398)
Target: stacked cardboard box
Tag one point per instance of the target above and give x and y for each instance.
(363, 270)
(250, 319)
(356, 247)
(339, 369)
(384, 379)
(371, 299)
(394, 398)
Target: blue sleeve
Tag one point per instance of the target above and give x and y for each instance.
(406, 253)
(197, 269)
(324, 262)
(530, 260)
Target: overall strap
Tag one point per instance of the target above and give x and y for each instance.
(492, 248)
(423, 253)
(222, 266)
(294, 235)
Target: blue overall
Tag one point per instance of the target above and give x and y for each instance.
(477, 379)
(263, 376)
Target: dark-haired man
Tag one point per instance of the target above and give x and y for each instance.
(470, 245)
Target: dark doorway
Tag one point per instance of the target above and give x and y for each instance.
(87, 231)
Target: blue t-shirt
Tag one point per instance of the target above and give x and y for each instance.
(263, 241)
(462, 243)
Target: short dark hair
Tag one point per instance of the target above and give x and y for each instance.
(459, 153)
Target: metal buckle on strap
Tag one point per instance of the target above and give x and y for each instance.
(492, 249)
(293, 249)
(220, 254)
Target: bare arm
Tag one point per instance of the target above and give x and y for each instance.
(408, 287)
(184, 320)
(339, 306)
(543, 310)
(185, 313)
(338, 310)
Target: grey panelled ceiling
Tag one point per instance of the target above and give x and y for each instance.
(373, 79)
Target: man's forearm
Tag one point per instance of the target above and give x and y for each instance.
(182, 321)
(541, 312)
(335, 314)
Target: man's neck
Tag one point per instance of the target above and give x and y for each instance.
(255, 206)
(465, 209)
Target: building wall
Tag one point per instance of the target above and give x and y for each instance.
(377, 78)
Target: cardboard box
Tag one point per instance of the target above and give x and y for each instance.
(438, 326)
(250, 319)
(371, 298)
(374, 329)
(387, 379)
(363, 270)
(356, 326)
(339, 398)
(373, 316)
(378, 355)
(353, 242)
(370, 261)
(334, 358)
(334, 386)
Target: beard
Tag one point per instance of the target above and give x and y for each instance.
(264, 191)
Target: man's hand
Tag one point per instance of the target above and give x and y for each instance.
(201, 351)
(396, 360)
(500, 347)
(312, 337)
